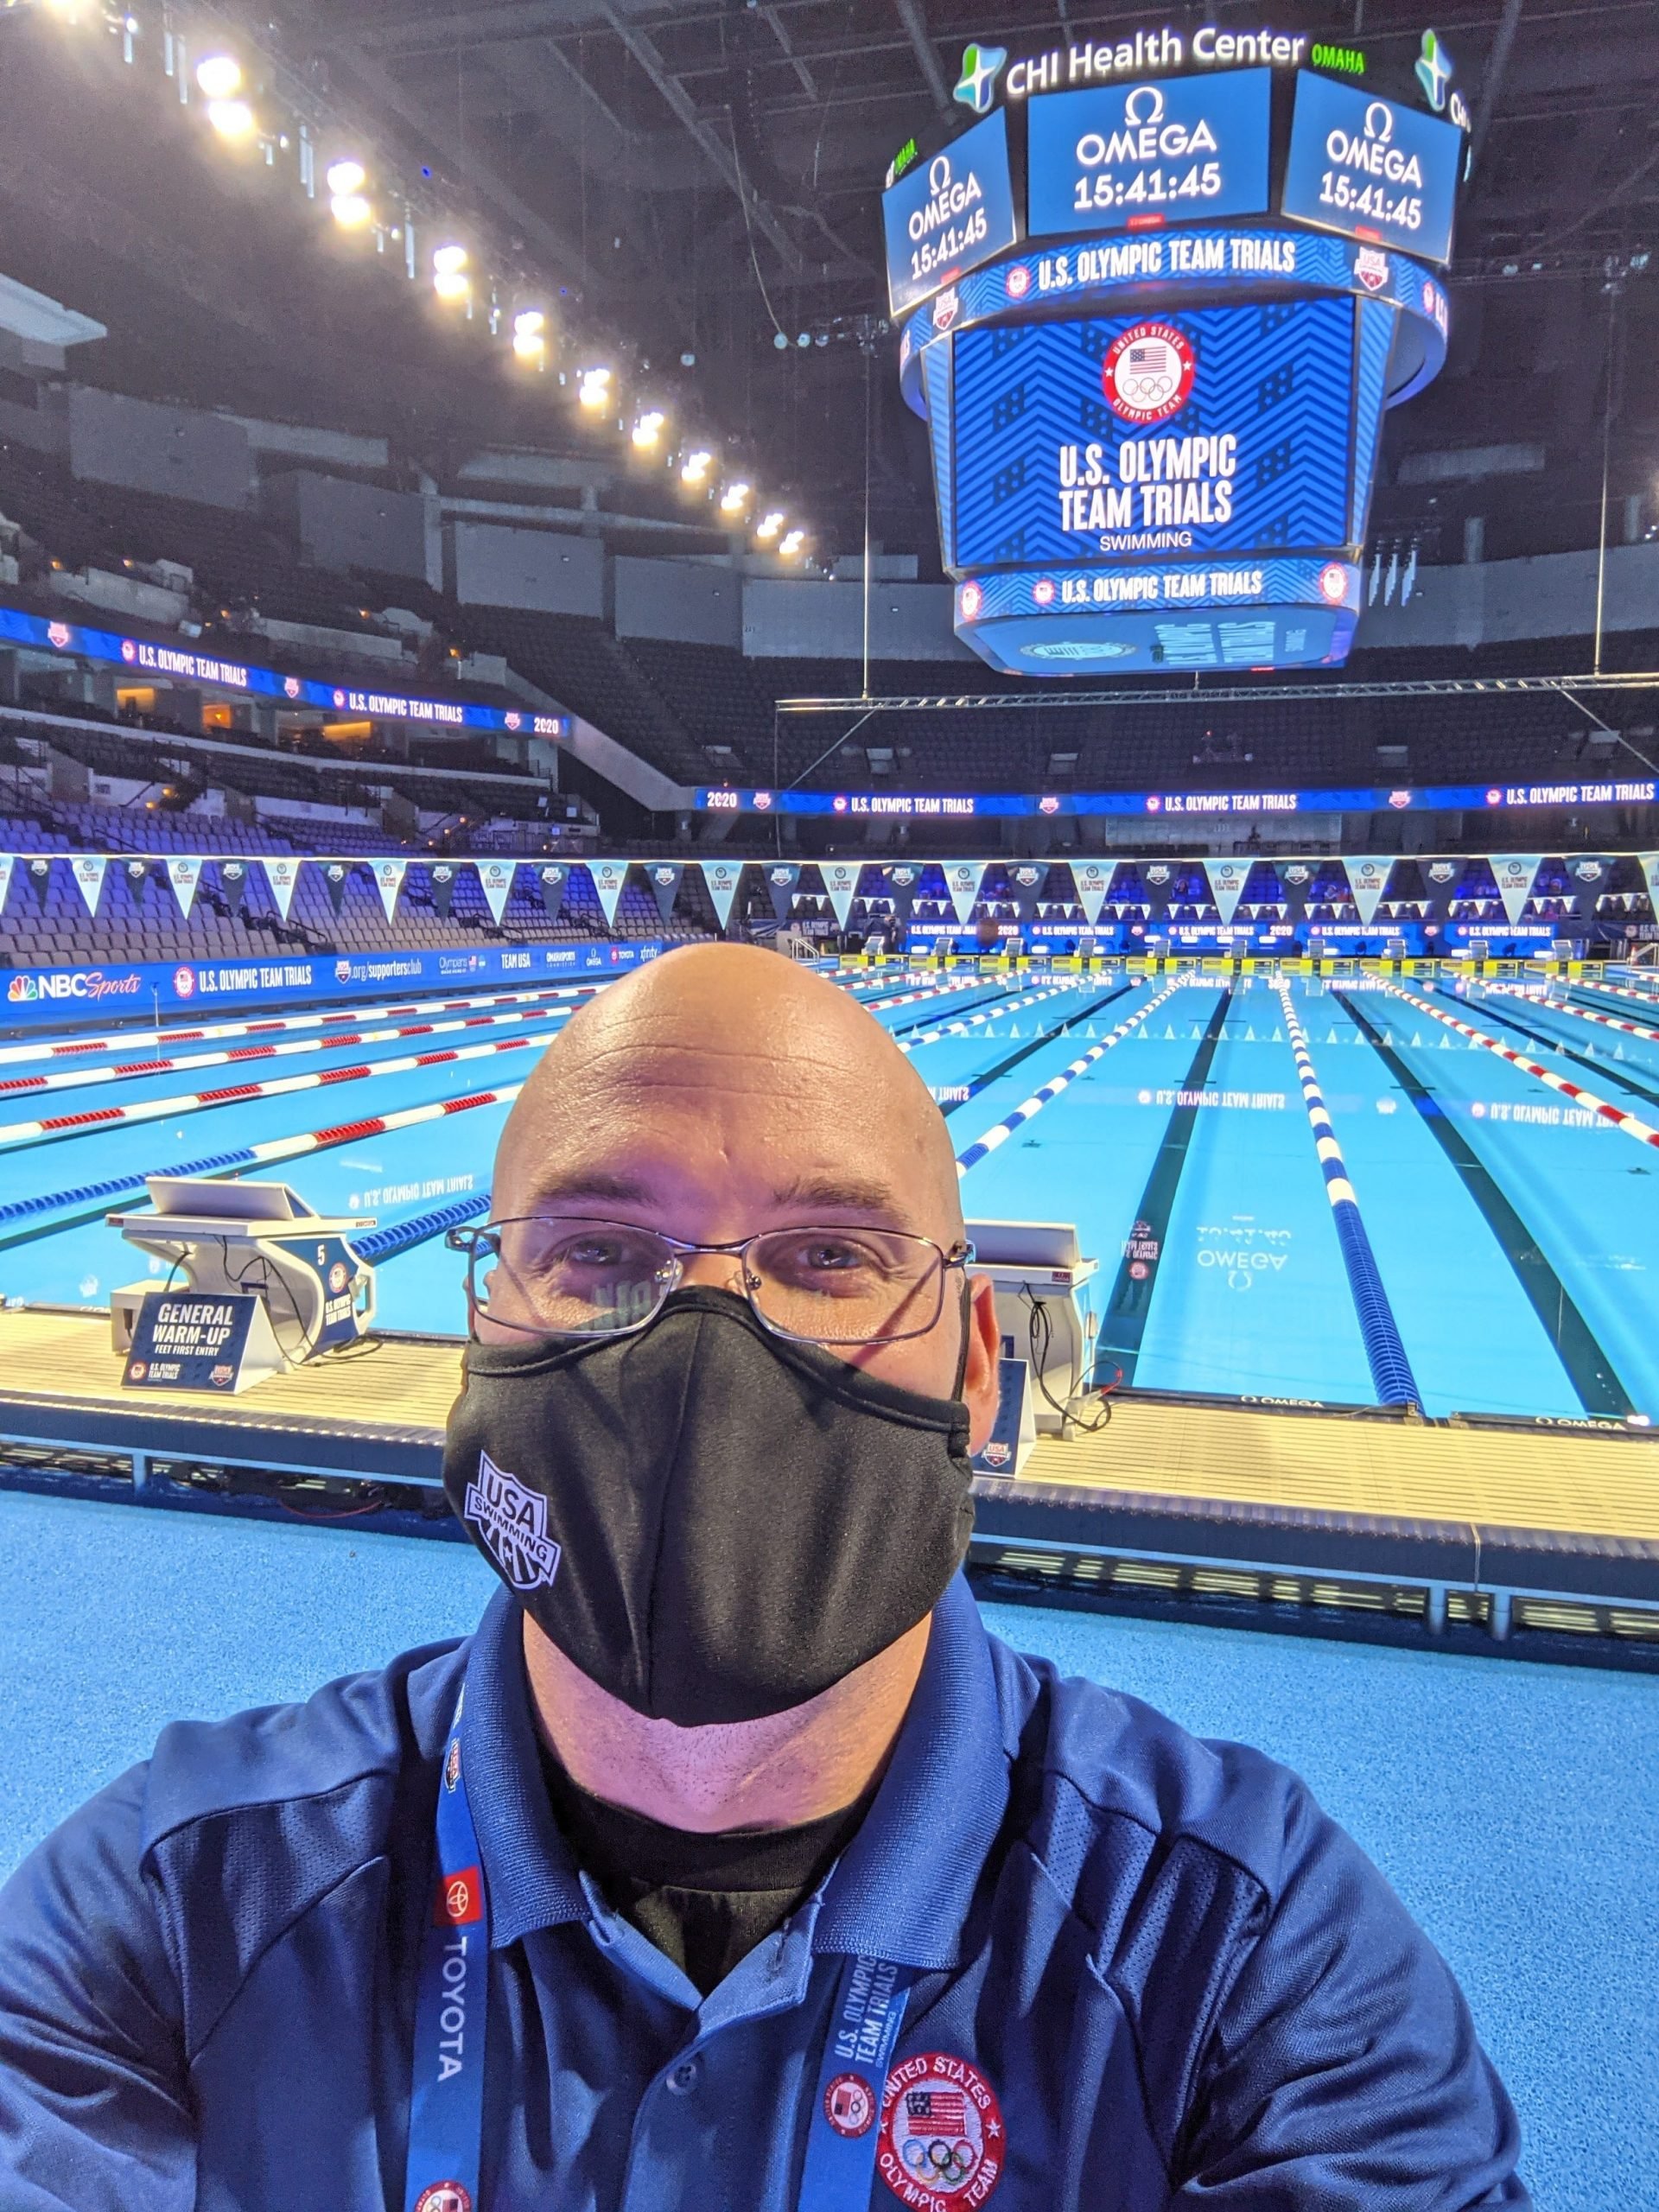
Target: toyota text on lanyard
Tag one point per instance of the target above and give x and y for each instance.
(446, 2105)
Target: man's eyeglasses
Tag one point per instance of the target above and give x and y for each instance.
(548, 1274)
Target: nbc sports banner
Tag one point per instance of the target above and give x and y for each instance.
(963, 880)
(1227, 881)
(608, 877)
(5, 878)
(389, 881)
(1368, 880)
(841, 884)
(665, 885)
(334, 874)
(721, 879)
(1515, 872)
(495, 877)
(1093, 880)
(441, 877)
(281, 874)
(88, 872)
(782, 876)
(233, 883)
(552, 875)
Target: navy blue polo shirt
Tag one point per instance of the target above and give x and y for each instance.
(1184, 1985)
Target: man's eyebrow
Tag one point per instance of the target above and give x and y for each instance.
(595, 1186)
(836, 1193)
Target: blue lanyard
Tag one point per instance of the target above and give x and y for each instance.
(446, 2106)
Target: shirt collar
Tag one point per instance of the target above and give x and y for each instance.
(532, 1878)
(902, 1888)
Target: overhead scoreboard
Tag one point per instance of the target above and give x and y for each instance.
(1154, 306)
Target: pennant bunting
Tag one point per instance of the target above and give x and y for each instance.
(88, 872)
(1025, 883)
(610, 876)
(1092, 880)
(903, 878)
(1227, 881)
(6, 860)
(38, 869)
(841, 885)
(389, 881)
(1367, 879)
(1650, 877)
(334, 874)
(1515, 872)
(721, 879)
(963, 880)
(552, 876)
(233, 884)
(281, 874)
(495, 879)
(665, 885)
(782, 876)
(137, 873)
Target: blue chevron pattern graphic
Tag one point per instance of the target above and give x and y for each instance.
(1376, 321)
(1279, 377)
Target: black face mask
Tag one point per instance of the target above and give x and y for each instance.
(712, 1523)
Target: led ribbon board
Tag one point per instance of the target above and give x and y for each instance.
(1136, 156)
(1155, 429)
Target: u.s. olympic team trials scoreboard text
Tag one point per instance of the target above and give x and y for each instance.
(1154, 304)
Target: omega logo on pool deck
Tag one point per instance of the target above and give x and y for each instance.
(942, 2144)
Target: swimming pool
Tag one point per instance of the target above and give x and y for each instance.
(1203, 1132)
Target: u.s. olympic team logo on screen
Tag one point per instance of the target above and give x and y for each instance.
(1147, 373)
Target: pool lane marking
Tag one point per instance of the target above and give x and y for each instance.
(1000, 1131)
(932, 991)
(56, 1127)
(1038, 1038)
(117, 1041)
(1621, 1075)
(1630, 1123)
(1566, 1006)
(1589, 1368)
(1123, 1323)
(228, 1165)
(985, 1014)
(237, 1056)
(1385, 1350)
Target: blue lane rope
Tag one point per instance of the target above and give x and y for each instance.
(49, 1201)
(1391, 1374)
(403, 1235)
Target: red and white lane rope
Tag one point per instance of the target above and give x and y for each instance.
(1001, 1131)
(1620, 991)
(1643, 1132)
(193, 1101)
(376, 1125)
(1579, 1013)
(239, 1055)
(124, 1040)
(987, 1014)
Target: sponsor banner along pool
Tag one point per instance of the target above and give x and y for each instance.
(141, 991)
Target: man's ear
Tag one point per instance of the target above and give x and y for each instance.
(979, 1382)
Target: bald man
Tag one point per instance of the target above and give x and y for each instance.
(730, 1865)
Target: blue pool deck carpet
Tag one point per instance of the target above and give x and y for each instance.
(1515, 1807)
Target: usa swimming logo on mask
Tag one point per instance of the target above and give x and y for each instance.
(511, 1519)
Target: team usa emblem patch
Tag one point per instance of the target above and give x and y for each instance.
(850, 2105)
(942, 2144)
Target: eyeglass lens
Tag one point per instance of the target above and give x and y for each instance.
(833, 1286)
